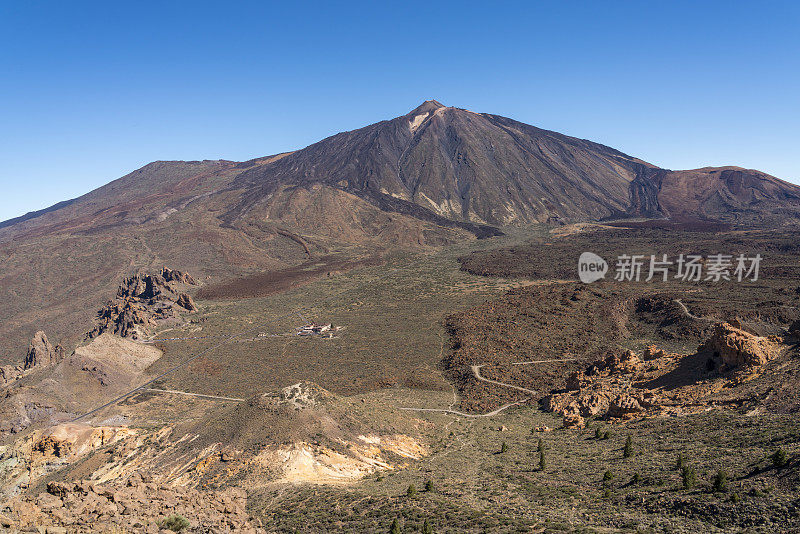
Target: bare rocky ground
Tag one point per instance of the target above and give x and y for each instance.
(700, 372)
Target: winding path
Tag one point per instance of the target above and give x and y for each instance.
(689, 314)
(476, 371)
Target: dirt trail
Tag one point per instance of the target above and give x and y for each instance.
(689, 314)
(476, 370)
(176, 392)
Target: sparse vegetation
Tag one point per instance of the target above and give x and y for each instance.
(779, 458)
(688, 476)
(411, 491)
(175, 523)
(680, 462)
(720, 482)
(627, 451)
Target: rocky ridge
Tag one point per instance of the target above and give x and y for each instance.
(624, 384)
(145, 301)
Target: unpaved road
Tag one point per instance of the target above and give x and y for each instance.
(176, 392)
(476, 370)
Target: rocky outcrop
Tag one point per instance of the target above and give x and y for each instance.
(9, 374)
(140, 505)
(143, 301)
(604, 389)
(738, 348)
(186, 302)
(173, 275)
(41, 353)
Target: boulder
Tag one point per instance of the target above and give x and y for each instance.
(624, 405)
(186, 302)
(652, 352)
(739, 348)
(577, 380)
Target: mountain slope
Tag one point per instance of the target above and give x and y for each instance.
(435, 175)
(463, 166)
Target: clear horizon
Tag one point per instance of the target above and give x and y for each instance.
(94, 93)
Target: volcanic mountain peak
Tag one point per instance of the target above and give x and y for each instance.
(426, 107)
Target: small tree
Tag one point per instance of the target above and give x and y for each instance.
(428, 486)
(688, 476)
(779, 458)
(608, 476)
(637, 478)
(598, 433)
(542, 461)
(627, 451)
(426, 527)
(395, 528)
(504, 447)
(540, 445)
(680, 462)
(411, 491)
(720, 483)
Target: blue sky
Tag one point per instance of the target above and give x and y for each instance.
(92, 90)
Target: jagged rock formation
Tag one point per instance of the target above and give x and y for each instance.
(41, 353)
(142, 301)
(738, 348)
(624, 385)
(604, 389)
(186, 302)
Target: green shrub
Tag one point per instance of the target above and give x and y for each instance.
(608, 476)
(542, 461)
(627, 451)
(428, 486)
(504, 447)
(395, 528)
(427, 528)
(175, 523)
(779, 458)
(411, 491)
(680, 462)
(688, 476)
(720, 482)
